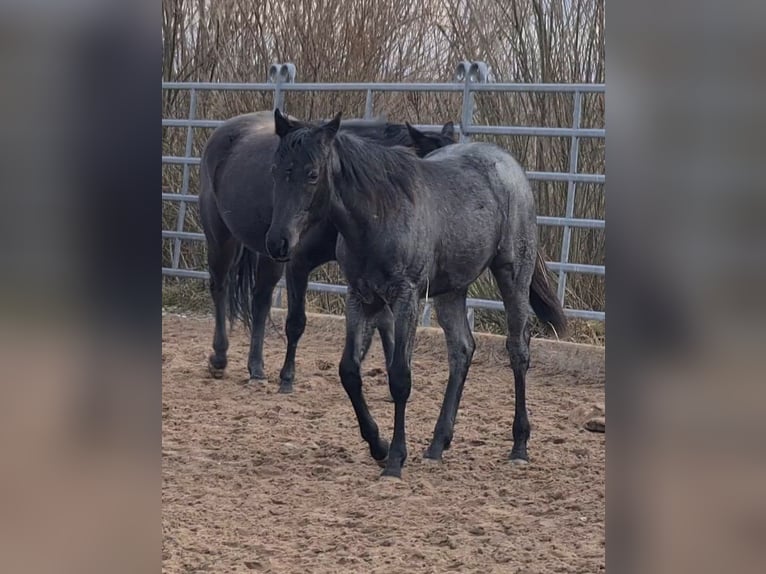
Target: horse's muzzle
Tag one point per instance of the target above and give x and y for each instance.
(278, 249)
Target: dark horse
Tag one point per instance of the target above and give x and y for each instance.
(410, 228)
(236, 202)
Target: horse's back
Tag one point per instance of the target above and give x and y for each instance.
(482, 194)
(482, 168)
(474, 153)
(232, 132)
(235, 175)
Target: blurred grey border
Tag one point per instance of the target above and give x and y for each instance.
(685, 361)
(79, 316)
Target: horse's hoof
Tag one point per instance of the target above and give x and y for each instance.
(382, 463)
(389, 478)
(215, 372)
(255, 382)
(430, 458)
(257, 375)
(391, 474)
(519, 461)
(285, 387)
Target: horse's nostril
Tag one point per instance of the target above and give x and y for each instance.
(274, 247)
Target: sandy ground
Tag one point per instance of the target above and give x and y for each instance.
(258, 481)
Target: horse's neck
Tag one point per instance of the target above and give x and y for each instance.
(356, 218)
(350, 215)
(356, 213)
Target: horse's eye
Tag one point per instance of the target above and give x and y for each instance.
(312, 176)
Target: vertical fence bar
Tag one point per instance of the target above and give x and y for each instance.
(278, 95)
(278, 75)
(425, 320)
(574, 152)
(181, 220)
(467, 111)
(471, 318)
(278, 298)
(368, 106)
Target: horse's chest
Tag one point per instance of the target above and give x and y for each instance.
(375, 282)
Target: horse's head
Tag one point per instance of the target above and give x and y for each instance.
(300, 171)
(426, 142)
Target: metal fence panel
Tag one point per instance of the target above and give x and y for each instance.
(472, 78)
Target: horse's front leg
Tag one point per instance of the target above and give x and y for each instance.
(405, 311)
(297, 280)
(357, 320)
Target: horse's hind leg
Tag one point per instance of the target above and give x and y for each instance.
(513, 279)
(220, 256)
(451, 312)
(267, 276)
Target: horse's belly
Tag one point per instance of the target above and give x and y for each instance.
(457, 268)
(246, 212)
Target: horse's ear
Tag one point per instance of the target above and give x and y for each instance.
(449, 130)
(331, 128)
(415, 134)
(282, 123)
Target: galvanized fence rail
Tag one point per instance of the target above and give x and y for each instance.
(470, 78)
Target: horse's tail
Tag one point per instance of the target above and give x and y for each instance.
(240, 286)
(543, 299)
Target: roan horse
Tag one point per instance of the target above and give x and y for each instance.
(410, 228)
(236, 202)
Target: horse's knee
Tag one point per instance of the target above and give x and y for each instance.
(295, 324)
(400, 383)
(349, 372)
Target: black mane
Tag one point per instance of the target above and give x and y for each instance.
(375, 131)
(382, 175)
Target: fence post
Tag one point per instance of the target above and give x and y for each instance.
(368, 106)
(281, 74)
(469, 73)
(574, 151)
(471, 318)
(181, 220)
(425, 320)
(461, 75)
